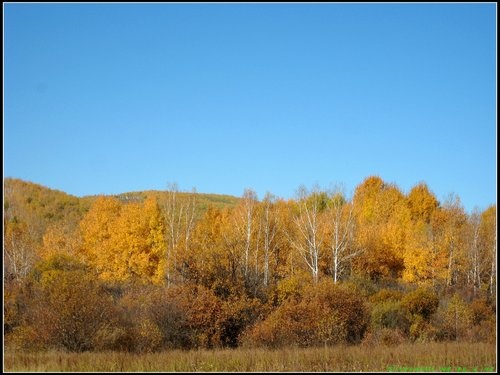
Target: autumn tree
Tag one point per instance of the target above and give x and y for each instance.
(308, 238)
(474, 264)
(59, 239)
(488, 248)
(340, 228)
(421, 304)
(381, 218)
(449, 234)
(19, 249)
(203, 313)
(138, 236)
(245, 223)
(124, 242)
(270, 237)
(456, 318)
(179, 211)
(214, 259)
(420, 251)
(422, 203)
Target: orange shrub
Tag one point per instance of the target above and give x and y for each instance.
(66, 306)
(326, 314)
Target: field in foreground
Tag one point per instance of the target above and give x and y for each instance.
(411, 357)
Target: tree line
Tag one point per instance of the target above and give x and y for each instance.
(381, 266)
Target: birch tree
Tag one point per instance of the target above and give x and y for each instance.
(19, 250)
(474, 264)
(449, 237)
(245, 219)
(179, 219)
(488, 247)
(269, 224)
(341, 221)
(309, 240)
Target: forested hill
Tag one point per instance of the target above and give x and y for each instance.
(155, 270)
(40, 207)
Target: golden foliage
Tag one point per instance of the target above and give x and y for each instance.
(125, 242)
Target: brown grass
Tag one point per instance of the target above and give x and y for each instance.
(408, 357)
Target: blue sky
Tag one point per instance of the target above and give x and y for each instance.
(110, 98)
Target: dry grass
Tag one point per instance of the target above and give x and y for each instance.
(410, 357)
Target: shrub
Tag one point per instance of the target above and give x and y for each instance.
(422, 331)
(202, 314)
(485, 331)
(150, 320)
(66, 306)
(422, 301)
(238, 314)
(384, 336)
(290, 287)
(386, 295)
(454, 318)
(326, 314)
(480, 311)
(389, 314)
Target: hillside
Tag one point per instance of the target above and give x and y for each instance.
(40, 206)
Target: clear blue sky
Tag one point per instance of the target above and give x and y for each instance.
(110, 98)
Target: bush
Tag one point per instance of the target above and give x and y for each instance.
(239, 313)
(326, 314)
(64, 308)
(150, 320)
(485, 332)
(384, 295)
(422, 331)
(291, 287)
(454, 318)
(422, 301)
(390, 314)
(11, 313)
(480, 311)
(202, 315)
(384, 336)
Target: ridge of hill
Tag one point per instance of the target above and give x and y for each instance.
(40, 206)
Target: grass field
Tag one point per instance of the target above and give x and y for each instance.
(427, 357)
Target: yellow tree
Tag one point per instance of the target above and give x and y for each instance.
(124, 242)
(394, 233)
(214, 259)
(449, 237)
(422, 203)
(96, 229)
(139, 240)
(19, 249)
(488, 247)
(419, 253)
(179, 212)
(419, 256)
(380, 217)
(59, 240)
(245, 223)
